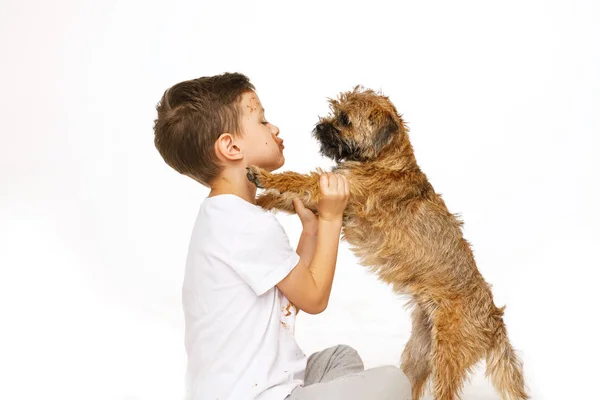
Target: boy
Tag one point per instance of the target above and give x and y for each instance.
(243, 282)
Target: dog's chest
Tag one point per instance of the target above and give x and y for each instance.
(367, 231)
(377, 232)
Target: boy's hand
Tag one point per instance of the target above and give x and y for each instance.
(310, 223)
(333, 198)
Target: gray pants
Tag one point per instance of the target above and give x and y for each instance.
(338, 373)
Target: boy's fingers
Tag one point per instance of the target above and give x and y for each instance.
(332, 181)
(323, 180)
(344, 185)
(298, 205)
(336, 184)
(341, 188)
(303, 213)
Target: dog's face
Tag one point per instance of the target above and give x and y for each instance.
(362, 123)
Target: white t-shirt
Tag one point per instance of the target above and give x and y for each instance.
(239, 328)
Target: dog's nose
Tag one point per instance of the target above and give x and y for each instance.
(324, 128)
(326, 131)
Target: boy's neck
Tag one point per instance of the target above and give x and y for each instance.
(233, 181)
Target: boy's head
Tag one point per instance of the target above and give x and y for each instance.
(208, 124)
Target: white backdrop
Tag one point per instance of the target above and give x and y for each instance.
(94, 227)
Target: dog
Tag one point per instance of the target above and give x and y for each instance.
(401, 230)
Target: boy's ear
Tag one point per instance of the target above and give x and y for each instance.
(227, 149)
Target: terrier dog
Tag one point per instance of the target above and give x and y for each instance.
(401, 229)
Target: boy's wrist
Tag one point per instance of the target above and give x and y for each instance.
(331, 221)
(330, 225)
(310, 231)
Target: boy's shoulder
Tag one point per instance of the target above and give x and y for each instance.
(232, 211)
(231, 203)
(228, 221)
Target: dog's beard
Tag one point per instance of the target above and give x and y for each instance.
(333, 146)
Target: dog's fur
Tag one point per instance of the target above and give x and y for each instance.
(401, 229)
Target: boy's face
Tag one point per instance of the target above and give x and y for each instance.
(260, 142)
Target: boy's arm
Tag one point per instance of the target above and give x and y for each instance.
(310, 227)
(308, 240)
(307, 246)
(308, 285)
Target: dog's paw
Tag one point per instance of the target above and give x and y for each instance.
(253, 174)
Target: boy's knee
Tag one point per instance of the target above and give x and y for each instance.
(345, 350)
(349, 355)
(340, 351)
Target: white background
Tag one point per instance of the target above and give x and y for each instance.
(502, 99)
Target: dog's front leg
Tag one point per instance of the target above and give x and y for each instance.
(283, 187)
(285, 181)
(273, 200)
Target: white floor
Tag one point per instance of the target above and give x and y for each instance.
(99, 340)
(108, 325)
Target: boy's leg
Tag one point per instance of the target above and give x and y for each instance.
(382, 383)
(331, 363)
(338, 373)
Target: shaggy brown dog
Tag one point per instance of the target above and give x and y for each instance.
(401, 229)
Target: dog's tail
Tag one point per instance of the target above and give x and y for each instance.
(504, 366)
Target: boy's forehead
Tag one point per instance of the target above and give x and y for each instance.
(251, 102)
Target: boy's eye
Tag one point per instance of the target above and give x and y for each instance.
(264, 122)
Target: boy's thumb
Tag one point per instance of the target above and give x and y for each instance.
(301, 211)
(298, 205)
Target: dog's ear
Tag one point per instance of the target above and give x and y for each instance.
(385, 133)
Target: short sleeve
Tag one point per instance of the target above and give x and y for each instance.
(262, 254)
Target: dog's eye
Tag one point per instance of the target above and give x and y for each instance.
(344, 120)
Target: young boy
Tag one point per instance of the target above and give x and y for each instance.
(243, 282)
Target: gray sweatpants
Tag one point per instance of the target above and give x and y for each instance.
(338, 373)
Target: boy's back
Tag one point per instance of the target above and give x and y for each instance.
(239, 326)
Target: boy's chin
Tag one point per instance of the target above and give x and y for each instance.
(273, 166)
(280, 164)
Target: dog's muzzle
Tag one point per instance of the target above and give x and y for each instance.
(329, 137)
(332, 144)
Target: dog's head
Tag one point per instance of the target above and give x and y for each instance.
(362, 123)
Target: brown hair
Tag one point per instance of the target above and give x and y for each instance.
(191, 117)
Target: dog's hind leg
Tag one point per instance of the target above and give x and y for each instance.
(416, 357)
(454, 352)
